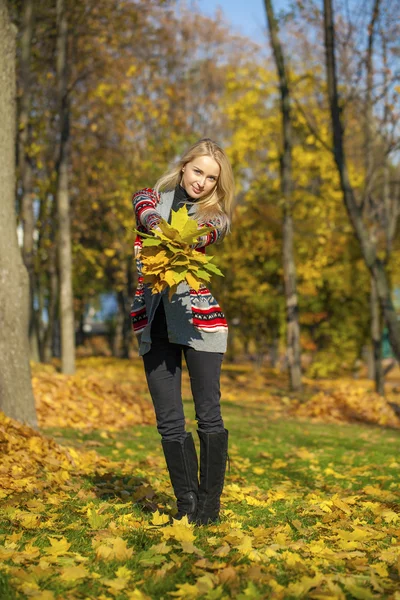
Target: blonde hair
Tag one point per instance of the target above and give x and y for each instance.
(218, 204)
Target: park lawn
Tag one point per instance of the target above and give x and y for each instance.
(310, 510)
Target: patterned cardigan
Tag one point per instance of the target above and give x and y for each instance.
(194, 318)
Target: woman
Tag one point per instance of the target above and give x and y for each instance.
(191, 322)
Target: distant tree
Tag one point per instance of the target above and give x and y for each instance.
(67, 323)
(372, 258)
(25, 166)
(289, 265)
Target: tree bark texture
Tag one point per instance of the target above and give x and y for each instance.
(375, 312)
(25, 165)
(117, 339)
(376, 337)
(369, 161)
(52, 308)
(372, 261)
(63, 209)
(289, 266)
(16, 396)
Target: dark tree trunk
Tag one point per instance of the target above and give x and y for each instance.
(376, 337)
(25, 164)
(127, 331)
(62, 195)
(375, 312)
(289, 266)
(117, 339)
(372, 261)
(52, 306)
(16, 396)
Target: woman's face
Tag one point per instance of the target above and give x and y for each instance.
(200, 176)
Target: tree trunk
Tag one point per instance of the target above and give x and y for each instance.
(372, 261)
(376, 336)
(25, 165)
(62, 195)
(127, 334)
(376, 325)
(16, 396)
(368, 116)
(52, 307)
(289, 266)
(117, 339)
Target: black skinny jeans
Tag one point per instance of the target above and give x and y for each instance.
(163, 368)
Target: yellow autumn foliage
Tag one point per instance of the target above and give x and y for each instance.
(168, 256)
(100, 397)
(347, 402)
(26, 455)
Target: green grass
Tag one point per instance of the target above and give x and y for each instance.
(306, 463)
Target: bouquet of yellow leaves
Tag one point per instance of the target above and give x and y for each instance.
(168, 258)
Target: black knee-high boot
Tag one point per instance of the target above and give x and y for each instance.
(213, 458)
(182, 463)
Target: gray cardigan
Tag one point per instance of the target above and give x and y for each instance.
(178, 310)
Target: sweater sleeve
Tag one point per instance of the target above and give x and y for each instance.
(144, 205)
(214, 236)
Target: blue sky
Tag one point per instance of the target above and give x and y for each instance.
(247, 17)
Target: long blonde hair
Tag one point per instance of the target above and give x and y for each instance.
(218, 204)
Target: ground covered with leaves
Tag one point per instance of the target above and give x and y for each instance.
(311, 509)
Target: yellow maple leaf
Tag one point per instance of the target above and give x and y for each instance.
(390, 516)
(258, 470)
(121, 551)
(29, 520)
(14, 537)
(179, 218)
(118, 584)
(113, 549)
(58, 547)
(169, 277)
(30, 551)
(181, 531)
(206, 583)
(192, 281)
(227, 574)
(245, 545)
(190, 548)
(251, 501)
(279, 464)
(341, 504)
(74, 573)
(357, 535)
(373, 490)
(292, 559)
(187, 591)
(104, 552)
(381, 569)
(137, 594)
(190, 230)
(356, 590)
(250, 593)
(302, 587)
(124, 572)
(223, 550)
(159, 519)
(96, 519)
